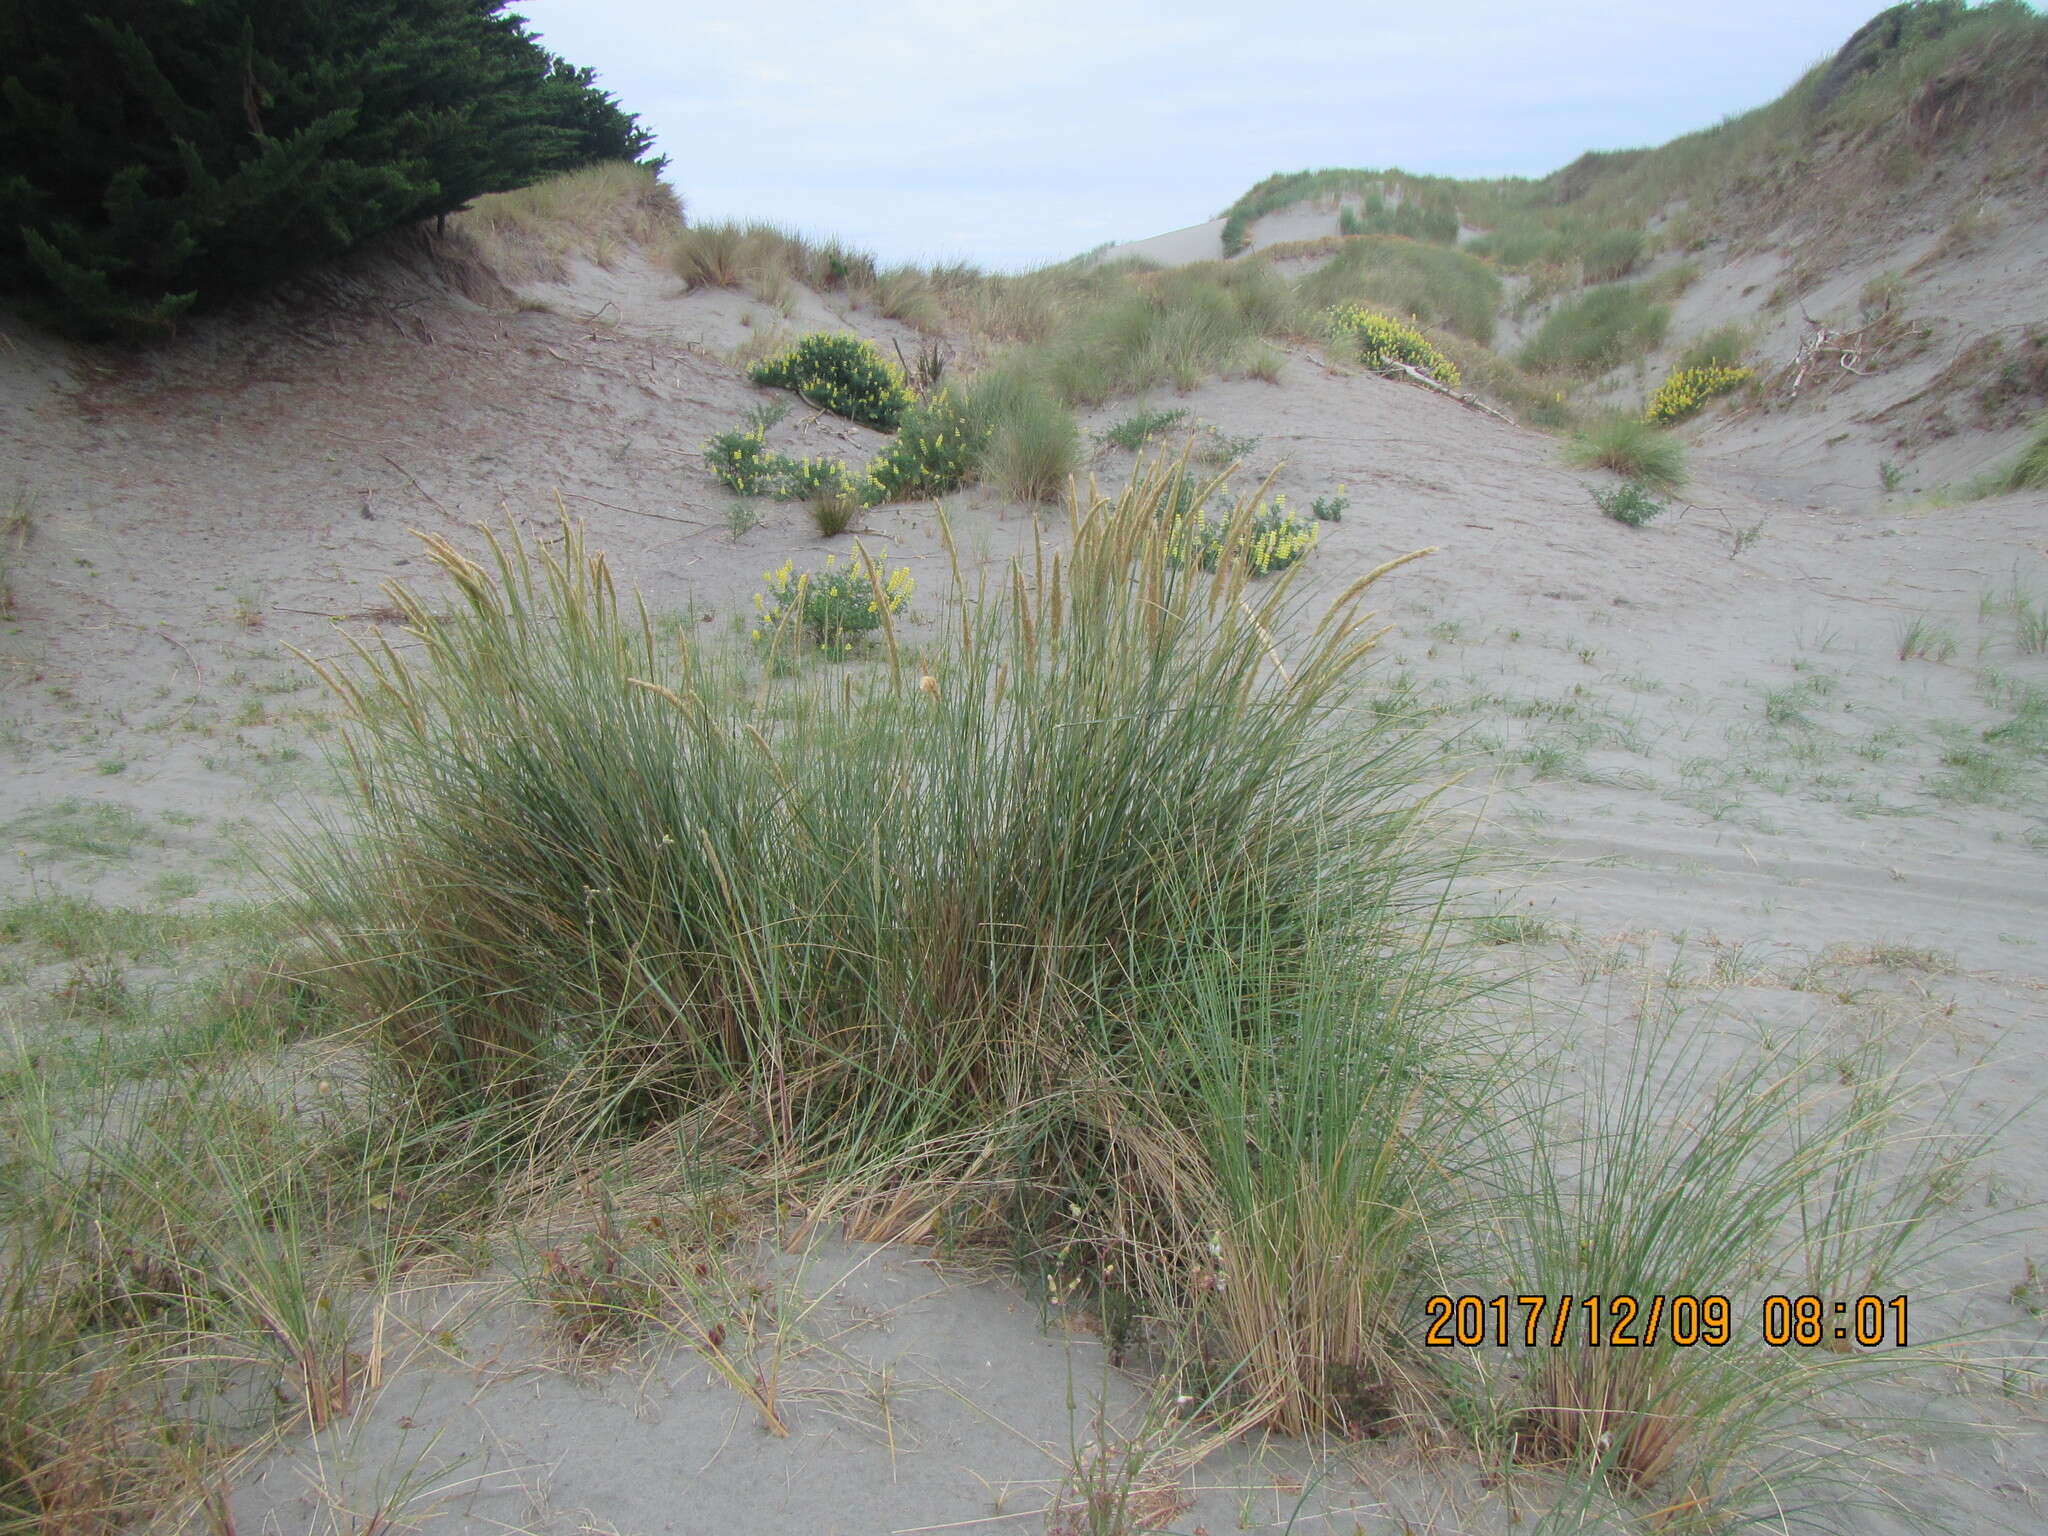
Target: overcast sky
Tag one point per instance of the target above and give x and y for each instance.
(1011, 134)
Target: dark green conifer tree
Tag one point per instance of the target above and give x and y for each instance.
(157, 155)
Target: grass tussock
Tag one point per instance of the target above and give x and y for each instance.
(1602, 329)
(594, 213)
(1779, 1173)
(1168, 329)
(1723, 347)
(1031, 441)
(766, 259)
(1631, 447)
(684, 907)
(2029, 471)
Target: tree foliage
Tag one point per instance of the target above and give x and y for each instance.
(158, 155)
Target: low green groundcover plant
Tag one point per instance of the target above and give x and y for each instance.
(1136, 429)
(741, 460)
(1383, 341)
(833, 605)
(1629, 503)
(844, 374)
(1685, 390)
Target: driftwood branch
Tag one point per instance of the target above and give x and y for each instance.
(1444, 389)
(413, 481)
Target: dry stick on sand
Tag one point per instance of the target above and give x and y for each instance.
(414, 483)
(666, 517)
(1390, 365)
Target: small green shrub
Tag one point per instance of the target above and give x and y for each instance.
(1382, 341)
(1602, 329)
(1216, 447)
(938, 448)
(1138, 428)
(1630, 503)
(812, 479)
(740, 460)
(1685, 390)
(831, 605)
(1267, 536)
(1330, 509)
(1631, 447)
(844, 374)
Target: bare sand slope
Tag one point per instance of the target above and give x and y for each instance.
(1691, 751)
(1204, 242)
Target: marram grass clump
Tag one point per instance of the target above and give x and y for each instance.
(2030, 471)
(1685, 390)
(1382, 341)
(1120, 1000)
(1632, 448)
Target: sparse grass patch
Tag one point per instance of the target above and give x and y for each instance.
(532, 231)
(1511, 928)
(1785, 1173)
(1922, 640)
(1632, 448)
(764, 259)
(1613, 256)
(95, 829)
(1975, 775)
(2028, 613)
(18, 517)
(1788, 706)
